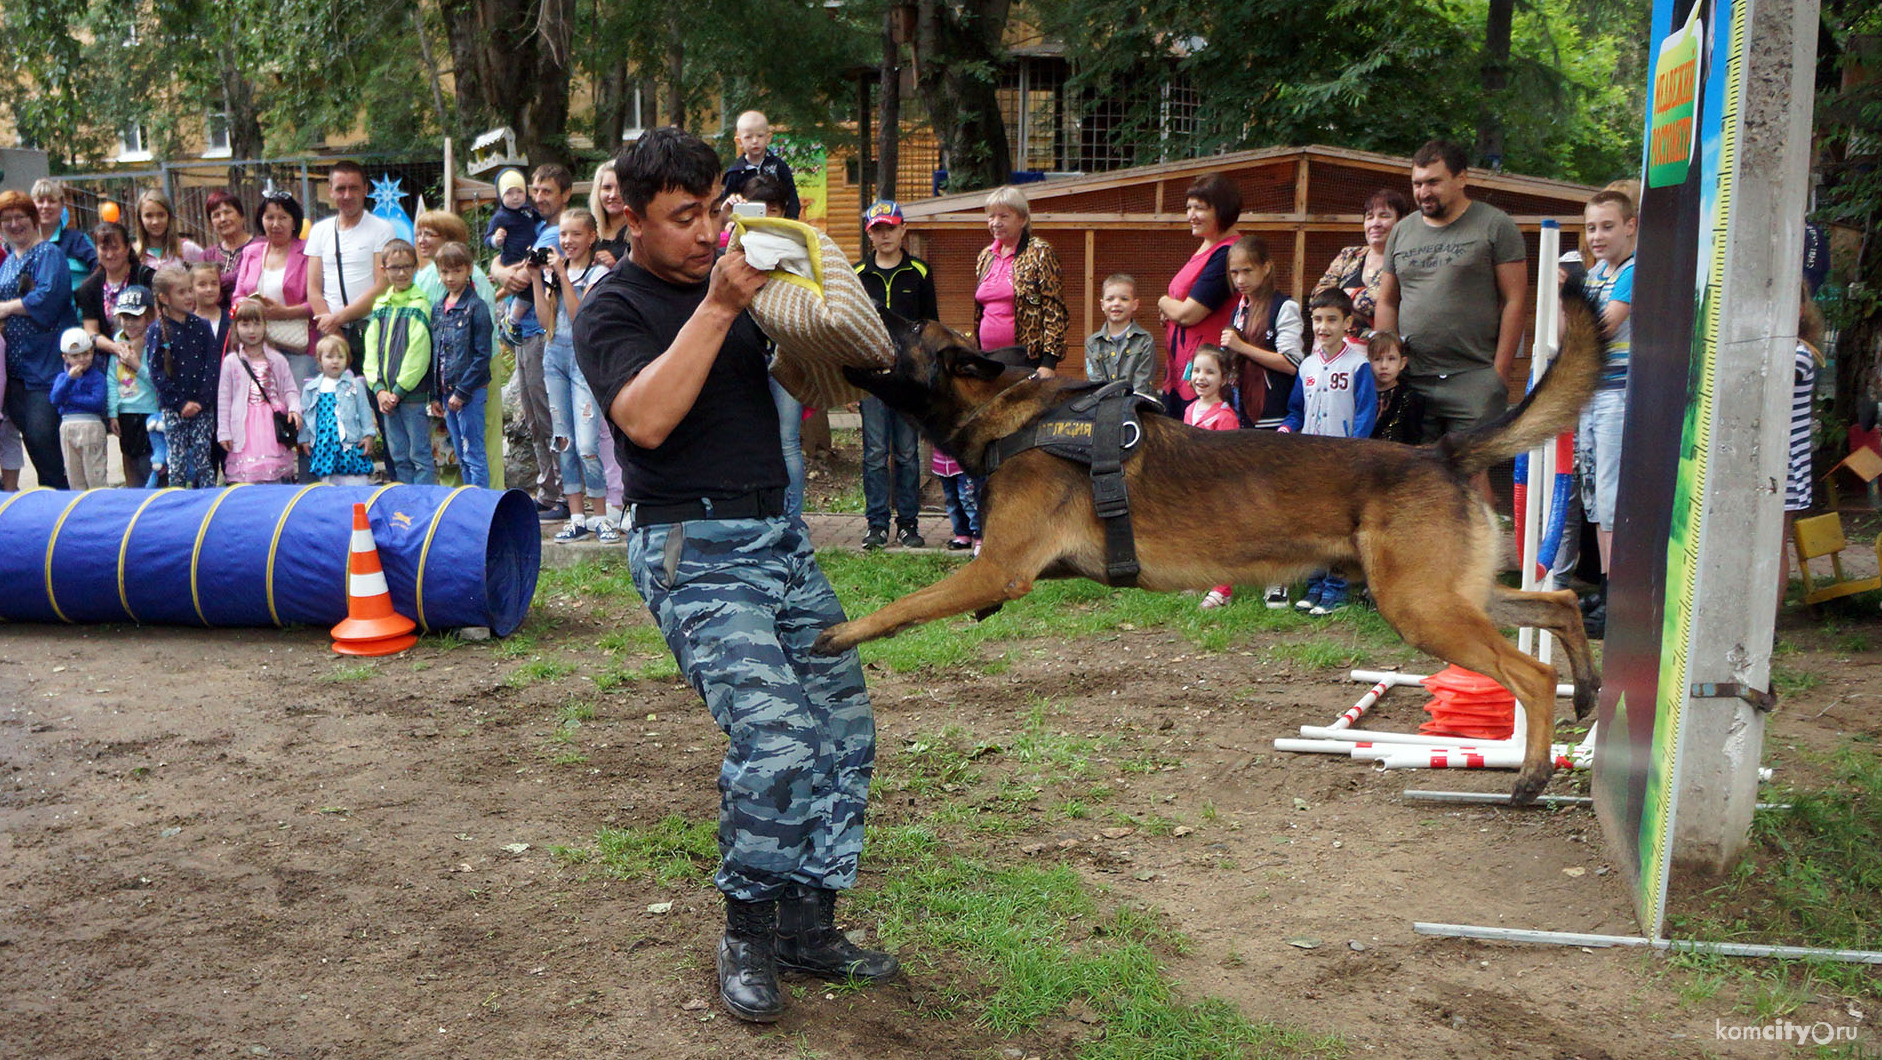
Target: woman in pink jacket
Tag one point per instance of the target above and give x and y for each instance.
(273, 270)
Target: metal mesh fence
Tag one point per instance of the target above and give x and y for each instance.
(189, 185)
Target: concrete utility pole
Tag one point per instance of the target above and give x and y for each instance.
(1735, 591)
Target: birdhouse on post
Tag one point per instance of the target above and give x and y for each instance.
(494, 150)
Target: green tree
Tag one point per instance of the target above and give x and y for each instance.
(1372, 74)
(1848, 116)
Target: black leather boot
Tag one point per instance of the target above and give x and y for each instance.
(748, 967)
(809, 940)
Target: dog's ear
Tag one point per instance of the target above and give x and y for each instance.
(968, 364)
(895, 322)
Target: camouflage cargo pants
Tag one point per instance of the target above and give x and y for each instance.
(740, 601)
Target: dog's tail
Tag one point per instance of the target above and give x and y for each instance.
(1548, 410)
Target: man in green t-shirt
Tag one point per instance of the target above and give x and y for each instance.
(1455, 290)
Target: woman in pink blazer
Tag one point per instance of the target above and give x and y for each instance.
(273, 271)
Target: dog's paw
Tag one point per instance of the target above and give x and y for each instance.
(1529, 784)
(832, 641)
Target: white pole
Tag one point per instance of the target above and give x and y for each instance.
(1541, 488)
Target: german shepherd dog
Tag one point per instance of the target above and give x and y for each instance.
(1256, 508)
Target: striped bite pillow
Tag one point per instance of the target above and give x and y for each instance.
(814, 308)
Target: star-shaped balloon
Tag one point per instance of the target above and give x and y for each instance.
(388, 202)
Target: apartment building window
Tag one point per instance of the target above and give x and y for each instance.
(132, 146)
(216, 137)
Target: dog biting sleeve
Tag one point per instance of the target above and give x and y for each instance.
(814, 308)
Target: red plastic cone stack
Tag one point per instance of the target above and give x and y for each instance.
(371, 627)
(1468, 704)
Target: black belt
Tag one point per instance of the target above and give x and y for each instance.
(758, 504)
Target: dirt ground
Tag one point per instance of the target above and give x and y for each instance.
(232, 843)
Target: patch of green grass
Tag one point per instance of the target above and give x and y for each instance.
(538, 670)
(517, 646)
(357, 672)
(1852, 643)
(671, 851)
(592, 580)
(1038, 944)
(928, 764)
(634, 640)
(660, 667)
(1317, 654)
(1811, 879)
(1789, 681)
(568, 758)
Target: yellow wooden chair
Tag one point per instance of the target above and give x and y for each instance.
(1822, 535)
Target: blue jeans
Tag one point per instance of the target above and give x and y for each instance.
(38, 423)
(466, 427)
(890, 442)
(408, 441)
(740, 602)
(574, 421)
(791, 436)
(1326, 587)
(963, 504)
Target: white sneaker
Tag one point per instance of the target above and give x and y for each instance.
(1276, 598)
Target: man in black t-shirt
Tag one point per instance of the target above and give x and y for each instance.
(667, 345)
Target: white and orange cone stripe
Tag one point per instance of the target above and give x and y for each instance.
(371, 626)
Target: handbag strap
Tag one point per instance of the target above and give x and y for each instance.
(339, 263)
(242, 357)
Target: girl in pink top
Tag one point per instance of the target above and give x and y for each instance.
(255, 384)
(1200, 302)
(1210, 412)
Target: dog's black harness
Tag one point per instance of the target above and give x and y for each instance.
(1100, 429)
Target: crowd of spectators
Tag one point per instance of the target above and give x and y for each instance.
(1435, 298)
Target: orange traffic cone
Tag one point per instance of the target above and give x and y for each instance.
(371, 627)
(1469, 704)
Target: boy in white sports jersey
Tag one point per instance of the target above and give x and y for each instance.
(1334, 396)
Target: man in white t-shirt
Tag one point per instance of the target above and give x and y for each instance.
(344, 275)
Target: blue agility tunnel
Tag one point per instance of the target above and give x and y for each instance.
(265, 555)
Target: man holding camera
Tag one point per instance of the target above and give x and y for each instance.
(550, 188)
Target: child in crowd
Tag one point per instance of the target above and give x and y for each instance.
(1401, 409)
(1265, 338)
(1797, 491)
(1211, 411)
(903, 284)
(461, 342)
(183, 365)
(130, 396)
(767, 191)
(753, 136)
(1609, 228)
(1121, 349)
(512, 230)
(962, 499)
(337, 426)
(1265, 335)
(78, 396)
(206, 284)
(398, 366)
(255, 385)
(1334, 396)
(575, 415)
